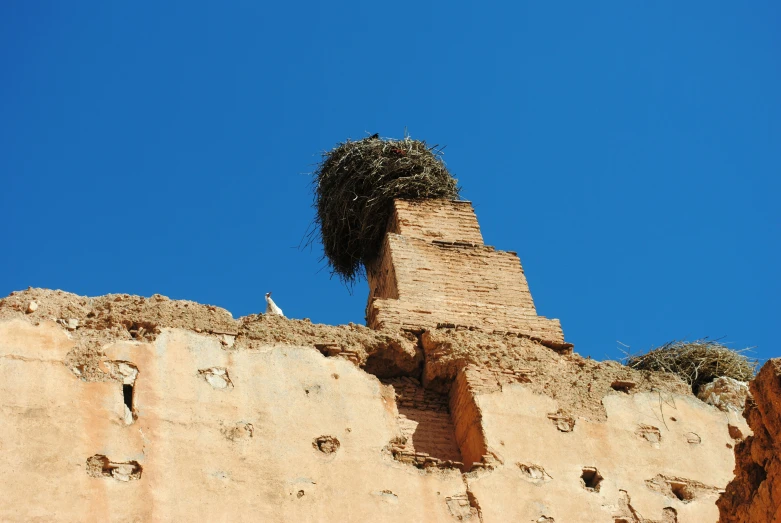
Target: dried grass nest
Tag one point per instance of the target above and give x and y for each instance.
(697, 362)
(354, 188)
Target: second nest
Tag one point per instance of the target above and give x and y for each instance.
(355, 185)
(697, 362)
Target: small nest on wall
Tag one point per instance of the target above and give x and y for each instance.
(696, 362)
(354, 188)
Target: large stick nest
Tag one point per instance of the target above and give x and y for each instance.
(696, 362)
(354, 188)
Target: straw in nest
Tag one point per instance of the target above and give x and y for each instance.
(354, 188)
(696, 362)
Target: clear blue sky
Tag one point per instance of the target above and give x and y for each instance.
(630, 152)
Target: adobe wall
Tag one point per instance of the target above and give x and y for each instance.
(243, 451)
(434, 269)
(754, 496)
(122, 408)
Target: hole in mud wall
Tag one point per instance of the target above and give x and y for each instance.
(735, 432)
(382, 367)
(99, 466)
(142, 331)
(534, 473)
(591, 479)
(326, 444)
(127, 394)
(623, 386)
(682, 491)
(429, 438)
(127, 373)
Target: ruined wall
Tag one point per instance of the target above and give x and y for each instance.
(273, 434)
(122, 408)
(461, 404)
(433, 269)
(653, 459)
(754, 496)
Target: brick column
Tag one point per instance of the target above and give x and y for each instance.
(434, 270)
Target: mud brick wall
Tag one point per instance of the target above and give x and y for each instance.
(466, 415)
(425, 422)
(282, 420)
(434, 270)
(449, 221)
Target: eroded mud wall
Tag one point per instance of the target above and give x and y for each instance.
(434, 269)
(271, 434)
(754, 496)
(112, 414)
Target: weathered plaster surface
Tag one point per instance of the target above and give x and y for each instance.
(260, 443)
(199, 461)
(518, 429)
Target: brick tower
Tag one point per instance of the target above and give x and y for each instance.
(434, 270)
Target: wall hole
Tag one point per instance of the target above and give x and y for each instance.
(144, 331)
(427, 428)
(735, 432)
(534, 473)
(623, 385)
(682, 491)
(591, 479)
(326, 444)
(99, 466)
(127, 394)
(126, 373)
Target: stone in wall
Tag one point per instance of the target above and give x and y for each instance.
(754, 496)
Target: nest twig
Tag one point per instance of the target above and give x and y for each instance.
(354, 188)
(696, 362)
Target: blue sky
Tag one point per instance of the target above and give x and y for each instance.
(629, 152)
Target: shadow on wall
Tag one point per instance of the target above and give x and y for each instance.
(424, 419)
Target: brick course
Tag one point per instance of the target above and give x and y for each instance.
(434, 269)
(425, 422)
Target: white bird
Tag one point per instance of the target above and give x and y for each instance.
(271, 307)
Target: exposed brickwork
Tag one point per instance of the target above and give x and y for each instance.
(434, 270)
(467, 416)
(424, 419)
(448, 221)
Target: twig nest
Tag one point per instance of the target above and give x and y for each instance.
(696, 362)
(355, 185)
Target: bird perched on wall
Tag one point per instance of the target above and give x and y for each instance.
(271, 307)
(375, 136)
